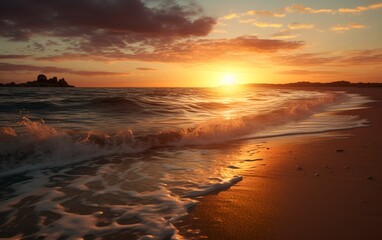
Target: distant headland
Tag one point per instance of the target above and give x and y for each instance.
(41, 81)
(319, 84)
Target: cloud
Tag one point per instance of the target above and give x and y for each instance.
(231, 16)
(146, 69)
(339, 59)
(220, 31)
(361, 8)
(307, 72)
(362, 57)
(98, 73)
(9, 67)
(305, 59)
(285, 34)
(109, 23)
(262, 24)
(13, 56)
(265, 13)
(205, 50)
(346, 27)
(198, 50)
(298, 8)
(300, 26)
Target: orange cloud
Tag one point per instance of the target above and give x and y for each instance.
(340, 59)
(305, 59)
(307, 72)
(300, 26)
(298, 8)
(202, 50)
(360, 8)
(362, 57)
(146, 69)
(285, 34)
(347, 27)
(265, 13)
(219, 31)
(231, 16)
(262, 24)
(205, 50)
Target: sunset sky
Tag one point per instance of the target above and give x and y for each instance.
(172, 43)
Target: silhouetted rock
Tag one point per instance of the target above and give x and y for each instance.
(53, 80)
(11, 84)
(41, 78)
(42, 81)
(63, 83)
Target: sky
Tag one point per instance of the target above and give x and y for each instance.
(190, 43)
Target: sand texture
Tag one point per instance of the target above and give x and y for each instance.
(322, 186)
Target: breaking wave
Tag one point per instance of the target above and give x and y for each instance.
(129, 163)
(34, 144)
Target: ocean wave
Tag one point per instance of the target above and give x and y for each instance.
(116, 102)
(10, 106)
(34, 144)
(224, 129)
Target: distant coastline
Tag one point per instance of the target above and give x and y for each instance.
(41, 81)
(319, 84)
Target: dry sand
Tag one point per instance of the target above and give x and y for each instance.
(323, 186)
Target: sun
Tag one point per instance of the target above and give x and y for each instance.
(228, 79)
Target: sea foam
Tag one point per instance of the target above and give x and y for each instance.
(35, 144)
(132, 171)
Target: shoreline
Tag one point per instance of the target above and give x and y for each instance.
(320, 186)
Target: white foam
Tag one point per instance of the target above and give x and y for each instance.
(35, 145)
(220, 130)
(206, 190)
(132, 195)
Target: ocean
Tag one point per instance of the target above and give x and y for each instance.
(127, 163)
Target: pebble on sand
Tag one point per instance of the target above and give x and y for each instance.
(317, 175)
(340, 150)
(369, 178)
(299, 167)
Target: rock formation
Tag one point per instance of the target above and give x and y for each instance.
(41, 81)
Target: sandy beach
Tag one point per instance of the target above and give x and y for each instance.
(320, 186)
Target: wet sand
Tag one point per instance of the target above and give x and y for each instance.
(321, 186)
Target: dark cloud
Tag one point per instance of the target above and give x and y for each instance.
(9, 67)
(110, 30)
(13, 56)
(107, 22)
